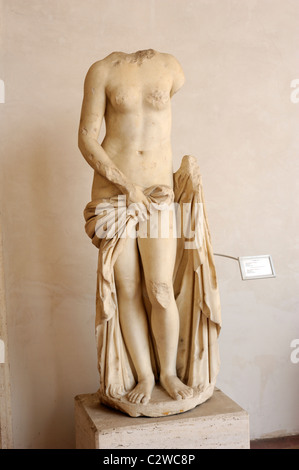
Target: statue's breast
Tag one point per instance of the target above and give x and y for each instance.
(157, 97)
(132, 98)
(124, 98)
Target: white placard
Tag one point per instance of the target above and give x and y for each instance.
(256, 267)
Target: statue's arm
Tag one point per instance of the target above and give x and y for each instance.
(92, 114)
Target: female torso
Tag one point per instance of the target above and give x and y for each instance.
(138, 89)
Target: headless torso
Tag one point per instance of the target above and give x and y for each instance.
(133, 93)
(138, 117)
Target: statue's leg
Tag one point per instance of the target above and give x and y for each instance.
(158, 258)
(133, 319)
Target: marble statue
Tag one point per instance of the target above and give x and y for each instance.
(157, 303)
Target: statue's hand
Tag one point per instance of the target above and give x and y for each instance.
(136, 195)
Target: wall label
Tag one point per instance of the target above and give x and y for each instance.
(256, 267)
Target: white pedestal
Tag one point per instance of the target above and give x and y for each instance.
(218, 423)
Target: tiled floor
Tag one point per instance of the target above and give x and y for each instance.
(288, 442)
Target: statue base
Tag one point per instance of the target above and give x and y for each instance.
(218, 423)
(161, 404)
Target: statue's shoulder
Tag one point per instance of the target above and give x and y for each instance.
(175, 69)
(99, 70)
(102, 64)
(109, 61)
(170, 61)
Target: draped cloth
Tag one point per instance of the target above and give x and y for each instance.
(108, 223)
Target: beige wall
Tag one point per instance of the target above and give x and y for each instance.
(234, 113)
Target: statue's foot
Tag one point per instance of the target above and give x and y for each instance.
(175, 387)
(142, 392)
(115, 391)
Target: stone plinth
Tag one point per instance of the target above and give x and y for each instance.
(219, 423)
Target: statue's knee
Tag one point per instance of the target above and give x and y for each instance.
(160, 293)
